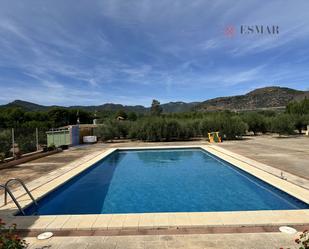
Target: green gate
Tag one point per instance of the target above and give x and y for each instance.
(58, 137)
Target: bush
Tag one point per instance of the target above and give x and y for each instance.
(300, 122)
(9, 238)
(303, 240)
(2, 157)
(132, 116)
(105, 132)
(154, 130)
(210, 124)
(300, 108)
(283, 124)
(186, 131)
(194, 126)
(51, 147)
(173, 130)
(5, 142)
(233, 127)
(112, 129)
(256, 122)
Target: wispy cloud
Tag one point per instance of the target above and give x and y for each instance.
(131, 52)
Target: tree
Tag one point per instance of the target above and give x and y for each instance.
(233, 127)
(106, 131)
(283, 124)
(59, 116)
(300, 122)
(298, 107)
(5, 142)
(156, 109)
(132, 116)
(122, 113)
(84, 116)
(173, 130)
(256, 122)
(15, 117)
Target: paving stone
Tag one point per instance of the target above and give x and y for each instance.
(103, 245)
(202, 241)
(155, 245)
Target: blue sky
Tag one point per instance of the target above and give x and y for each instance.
(93, 52)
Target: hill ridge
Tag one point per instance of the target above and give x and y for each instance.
(260, 98)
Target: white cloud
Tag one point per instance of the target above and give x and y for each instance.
(153, 47)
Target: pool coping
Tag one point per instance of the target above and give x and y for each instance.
(160, 221)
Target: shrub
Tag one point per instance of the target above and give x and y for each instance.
(2, 157)
(194, 126)
(132, 116)
(256, 122)
(51, 147)
(300, 107)
(9, 238)
(159, 129)
(283, 124)
(122, 113)
(5, 142)
(112, 129)
(173, 130)
(155, 129)
(186, 131)
(210, 125)
(300, 122)
(233, 127)
(105, 132)
(303, 240)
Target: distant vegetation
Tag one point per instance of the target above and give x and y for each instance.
(262, 98)
(267, 97)
(153, 125)
(26, 122)
(157, 126)
(184, 126)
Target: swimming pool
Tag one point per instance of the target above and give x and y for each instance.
(163, 180)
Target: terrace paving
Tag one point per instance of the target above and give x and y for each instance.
(265, 149)
(192, 241)
(290, 154)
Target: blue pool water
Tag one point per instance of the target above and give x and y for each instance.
(178, 180)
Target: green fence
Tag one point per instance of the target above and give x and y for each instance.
(25, 139)
(58, 137)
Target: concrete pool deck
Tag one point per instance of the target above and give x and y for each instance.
(196, 241)
(255, 222)
(156, 221)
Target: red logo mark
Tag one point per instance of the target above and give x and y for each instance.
(229, 31)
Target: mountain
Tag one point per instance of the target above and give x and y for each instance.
(27, 106)
(170, 107)
(267, 97)
(179, 106)
(167, 108)
(112, 107)
(261, 98)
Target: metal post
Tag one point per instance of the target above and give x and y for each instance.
(53, 136)
(13, 143)
(13, 198)
(37, 138)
